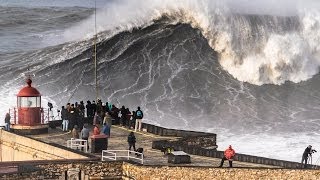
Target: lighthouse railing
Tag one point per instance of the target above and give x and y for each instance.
(13, 114)
(45, 115)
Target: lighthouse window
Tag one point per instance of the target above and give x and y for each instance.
(29, 102)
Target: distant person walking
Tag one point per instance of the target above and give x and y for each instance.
(228, 155)
(307, 152)
(132, 141)
(138, 116)
(7, 122)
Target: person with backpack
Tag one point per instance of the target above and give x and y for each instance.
(132, 141)
(138, 116)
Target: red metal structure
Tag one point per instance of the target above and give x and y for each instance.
(29, 105)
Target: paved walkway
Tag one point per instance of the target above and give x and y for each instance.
(118, 141)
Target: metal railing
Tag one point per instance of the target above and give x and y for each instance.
(116, 154)
(46, 115)
(77, 144)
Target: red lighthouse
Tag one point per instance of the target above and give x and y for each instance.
(30, 119)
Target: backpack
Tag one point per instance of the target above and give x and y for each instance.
(139, 150)
(139, 114)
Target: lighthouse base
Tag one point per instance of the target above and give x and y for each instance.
(30, 130)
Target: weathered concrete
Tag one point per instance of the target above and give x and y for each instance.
(20, 148)
(26, 130)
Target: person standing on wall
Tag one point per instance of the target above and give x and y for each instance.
(7, 122)
(228, 155)
(139, 116)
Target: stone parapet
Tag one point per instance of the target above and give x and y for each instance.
(204, 144)
(124, 170)
(59, 170)
(174, 132)
(203, 173)
(202, 151)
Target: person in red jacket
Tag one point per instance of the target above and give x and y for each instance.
(228, 155)
(96, 130)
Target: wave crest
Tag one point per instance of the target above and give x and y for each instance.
(258, 49)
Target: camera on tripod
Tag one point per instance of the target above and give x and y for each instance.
(50, 105)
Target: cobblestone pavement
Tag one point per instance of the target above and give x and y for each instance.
(118, 141)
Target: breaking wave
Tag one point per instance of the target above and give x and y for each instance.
(267, 48)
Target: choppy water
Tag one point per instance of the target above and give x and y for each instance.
(249, 76)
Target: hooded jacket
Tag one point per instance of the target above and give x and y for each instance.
(229, 153)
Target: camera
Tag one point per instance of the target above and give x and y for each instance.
(313, 150)
(50, 105)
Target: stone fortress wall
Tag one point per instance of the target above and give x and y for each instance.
(86, 170)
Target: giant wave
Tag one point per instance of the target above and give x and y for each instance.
(251, 77)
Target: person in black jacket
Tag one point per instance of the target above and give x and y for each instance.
(132, 141)
(139, 116)
(307, 152)
(65, 120)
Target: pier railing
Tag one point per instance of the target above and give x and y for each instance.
(116, 154)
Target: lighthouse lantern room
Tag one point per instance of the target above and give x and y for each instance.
(30, 119)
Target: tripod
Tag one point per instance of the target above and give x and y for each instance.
(57, 116)
(310, 159)
(315, 166)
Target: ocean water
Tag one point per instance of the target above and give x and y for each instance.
(246, 71)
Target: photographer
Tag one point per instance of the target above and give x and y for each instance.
(307, 152)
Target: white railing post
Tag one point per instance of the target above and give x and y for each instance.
(86, 144)
(128, 154)
(141, 158)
